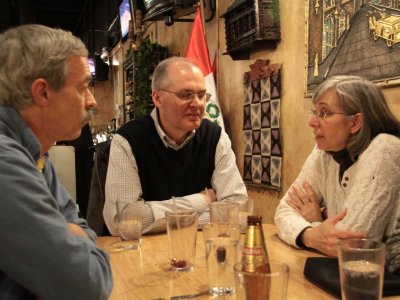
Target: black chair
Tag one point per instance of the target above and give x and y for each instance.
(97, 189)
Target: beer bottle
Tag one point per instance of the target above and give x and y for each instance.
(255, 259)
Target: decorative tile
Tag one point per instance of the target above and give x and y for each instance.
(255, 116)
(275, 143)
(275, 113)
(276, 165)
(248, 142)
(247, 117)
(266, 141)
(247, 169)
(256, 142)
(265, 89)
(275, 86)
(247, 92)
(256, 91)
(256, 168)
(265, 173)
(265, 114)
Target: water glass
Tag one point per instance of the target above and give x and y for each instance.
(224, 211)
(222, 252)
(361, 265)
(245, 210)
(182, 234)
(221, 229)
(262, 286)
(129, 220)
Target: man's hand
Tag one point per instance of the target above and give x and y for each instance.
(209, 195)
(304, 201)
(76, 230)
(325, 236)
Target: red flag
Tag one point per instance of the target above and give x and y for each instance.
(214, 66)
(197, 50)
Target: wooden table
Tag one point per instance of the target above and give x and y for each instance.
(145, 274)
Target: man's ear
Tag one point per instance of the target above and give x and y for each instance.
(156, 98)
(39, 90)
(358, 121)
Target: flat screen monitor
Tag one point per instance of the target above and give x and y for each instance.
(125, 15)
(92, 66)
(98, 68)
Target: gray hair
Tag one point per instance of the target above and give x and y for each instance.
(358, 95)
(161, 76)
(29, 52)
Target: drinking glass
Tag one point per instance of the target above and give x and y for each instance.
(262, 286)
(129, 220)
(222, 229)
(224, 211)
(245, 210)
(222, 252)
(361, 265)
(182, 234)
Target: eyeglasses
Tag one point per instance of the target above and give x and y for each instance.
(323, 114)
(189, 96)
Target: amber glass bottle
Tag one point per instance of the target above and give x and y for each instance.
(255, 259)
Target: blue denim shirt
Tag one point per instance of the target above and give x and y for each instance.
(39, 257)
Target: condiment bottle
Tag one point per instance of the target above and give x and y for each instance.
(255, 259)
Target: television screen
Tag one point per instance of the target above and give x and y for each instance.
(98, 68)
(125, 16)
(92, 66)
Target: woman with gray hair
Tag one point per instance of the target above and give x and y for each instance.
(349, 184)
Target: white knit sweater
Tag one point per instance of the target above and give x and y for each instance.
(369, 189)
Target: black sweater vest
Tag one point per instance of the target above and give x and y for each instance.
(165, 172)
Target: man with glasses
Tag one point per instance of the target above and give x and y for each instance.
(173, 159)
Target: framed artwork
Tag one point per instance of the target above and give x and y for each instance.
(352, 37)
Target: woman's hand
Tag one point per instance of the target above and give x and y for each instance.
(325, 236)
(304, 201)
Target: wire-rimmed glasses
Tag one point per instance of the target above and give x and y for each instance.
(322, 114)
(203, 96)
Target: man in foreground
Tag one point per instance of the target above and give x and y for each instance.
(47, 251)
